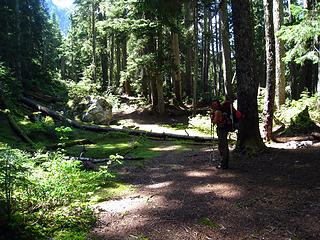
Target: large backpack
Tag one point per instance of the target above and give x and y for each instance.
(231, 116)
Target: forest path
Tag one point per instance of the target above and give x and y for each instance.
(180, 195)
(133, 116)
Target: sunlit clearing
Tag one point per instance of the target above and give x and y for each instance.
(159, 185)
(220, 190)
(122, 205)
(167, 148)
(198, 174)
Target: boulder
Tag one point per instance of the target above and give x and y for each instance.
(99, 111)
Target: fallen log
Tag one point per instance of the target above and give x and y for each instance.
(15, 127)
(316, 135)
(101, 160)
(70, 144)
(13, 124)
(95, 128)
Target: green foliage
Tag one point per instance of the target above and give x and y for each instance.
(292, 108)
(78, 91)
(208, 222)
(8, 85)
(45, 193)
(301, 123)
(63, 132)
(302, 37)
(13, 176)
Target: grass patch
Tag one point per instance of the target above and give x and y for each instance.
(176, 126)
(208, 222)
(111, 190)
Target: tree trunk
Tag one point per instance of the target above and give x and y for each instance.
(195, 61)
(94, 42)
(189, 48)
(118, 60)
(270, 69)
(104, 69)
(127, 86)
(279, 54)
(159, 76)
(205, 51)
(318, 85)
(111, 83)
(249, 135)
(220, 89)
(18, 67)
(214, 59)
(176, 75)
(144, 83)
(294, 83)
(226, 55)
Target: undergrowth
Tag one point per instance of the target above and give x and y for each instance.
(46, 196)
(292, 108)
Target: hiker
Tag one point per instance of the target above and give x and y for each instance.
(227, 120)
(217, 119)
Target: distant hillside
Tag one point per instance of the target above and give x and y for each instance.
(62, 16)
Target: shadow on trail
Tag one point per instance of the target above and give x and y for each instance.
(182, 196)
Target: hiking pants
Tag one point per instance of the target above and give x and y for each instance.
(223, 146)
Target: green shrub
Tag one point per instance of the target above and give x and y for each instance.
(291, 109)
(45, 194)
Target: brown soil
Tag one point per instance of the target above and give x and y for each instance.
(181, 195)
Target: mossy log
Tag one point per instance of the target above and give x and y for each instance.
(15, 127)
(96, 128)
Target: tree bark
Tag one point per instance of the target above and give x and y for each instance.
(94, 42)
(226, 55)
(195, 61)
(176, 75)
(270, 71)
(118, 61)
(214, 58)
(318, 85)
(159, 75)
(189, 48)
(279, 54)
(247, 89)
(18, 67)
(205, 51)
(127, 85)
(111, 82)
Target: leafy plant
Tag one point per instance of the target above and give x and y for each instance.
(13, 176)
(63, 132)
(46, 193)
(208, 222)
(292, 108)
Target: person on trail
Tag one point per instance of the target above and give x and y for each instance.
(217, 118)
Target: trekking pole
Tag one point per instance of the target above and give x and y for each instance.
(211, 134)
(231, 115)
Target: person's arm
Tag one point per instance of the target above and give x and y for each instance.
(217, 117)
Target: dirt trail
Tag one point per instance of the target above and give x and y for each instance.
(182, 196)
